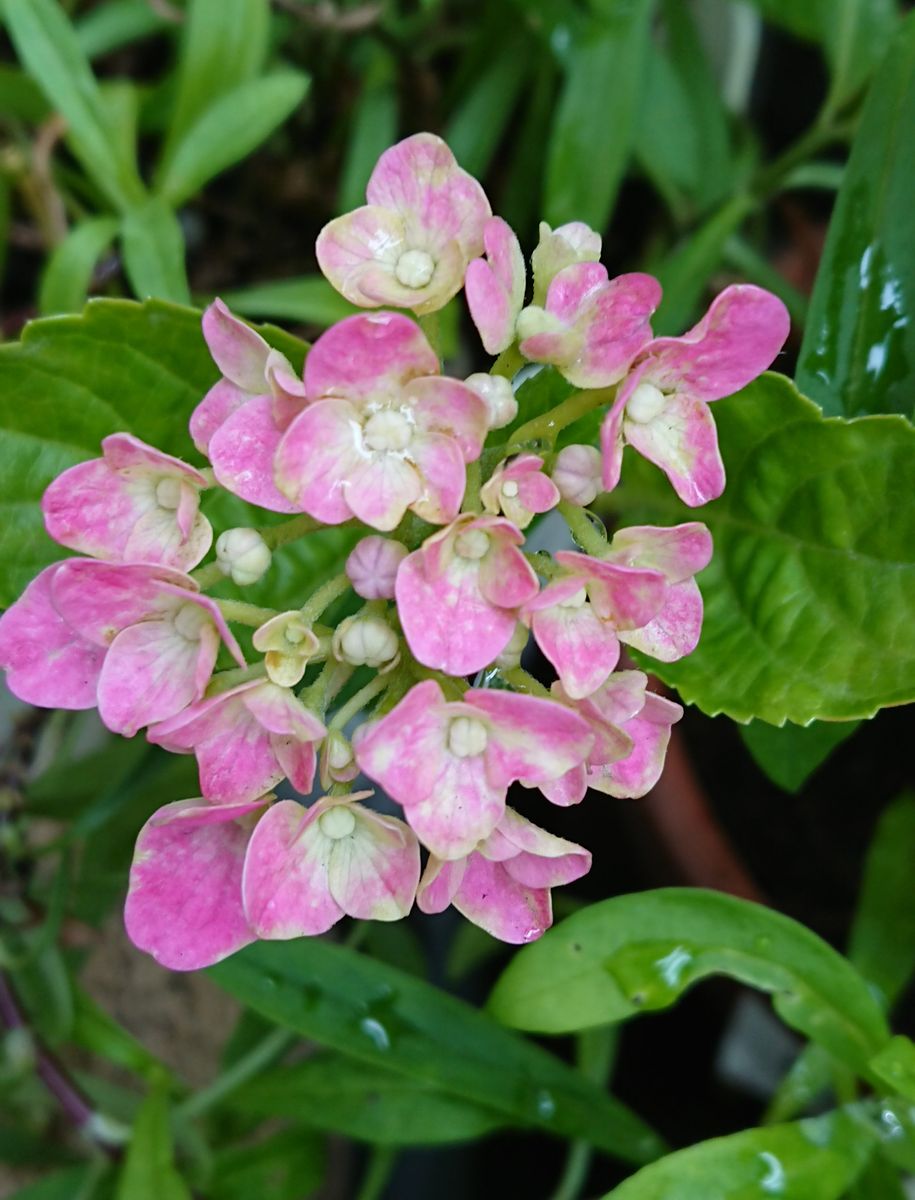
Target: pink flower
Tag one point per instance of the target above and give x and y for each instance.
(450, 763)
(458, 595)
(48, 662)
(495, 286)
(662, 408)
(631, 728)
(504, 884)
(591, 327)
(679, 553)
(372, 567)
(184, 900)
(239, 422)
(308, 867)
(246, 740)
(579, 619)
(560, 248)
(410, 245)
(135, 504)
(383, 432)
(519, 489)
(160, 634)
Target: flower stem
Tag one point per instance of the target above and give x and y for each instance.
(521, 681)
(288, 531)
(206, 576)
(262, 1055)
(583, 529)
(509, 362)
(223, 681)
(377, 1173)
(595, 1051)
(472, 488)
(545, 427)
(243, 613)
(325, 595)
(357, 703)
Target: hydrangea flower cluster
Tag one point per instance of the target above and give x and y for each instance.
(419, 688)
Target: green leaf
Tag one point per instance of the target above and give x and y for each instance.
(68, 273)
(858, 354)
(812, 1160)
(309, 299)
(895, 1066)
(791, 754)
(478, 122)
(882, 939)
(856, 35)
(43, 985)
(594, 125)
(149, 1171)
(73, 1184)
(117, 23)
(20, 96)
(639, 953)
(224, 43)
(391, 1021)
(365, 1102)
(374, 127)
(810, 595)
(153, 247)
(50, 51)
(288, 1165)
(223, 134)
(879, 1179)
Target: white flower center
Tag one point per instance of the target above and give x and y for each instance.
(473, 544)
(575, 601)
(337, 822)
(414, 268)
(168, 492)
(368, 640)
(645, 403)
(467, 737)
(189, 620)
(510, 489)
(387, 430)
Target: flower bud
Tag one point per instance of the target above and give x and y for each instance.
(337, 762)
(511, 655)
(559, 248)
(366, 640)
(243, 555)
(372, 567)
(496, 393)
(287, 643)
(577, 474)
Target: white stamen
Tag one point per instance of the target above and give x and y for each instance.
(387, 430)
(467, 737)
(473, 544)
(337, 822)
(645, 403)
(414, 268)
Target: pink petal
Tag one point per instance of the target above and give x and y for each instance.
(439, 884)
(674, 632)
(489, 897)
(736, 340)
(217, 406)
(48, 662)
(683, 442)
(490, 307)
(611, 432)
(446, 621)
(242, 451)
(530, 738)
(298, 761)
(443, 477)
(463, 807)
(450, 407)
(637, 774)
(419, 178)
(506, 577)
(582, 649)
(315, 457)
(284, 884)
(362, 247)
(100, 599)
(373, 873)
(239, 352)
(379, 489)
(402, 751)
(541, 860)
(626, 597)
(368, 355)
(280, 711)
(679, 551)
(123, 451)
(184, 904)
(568, 789)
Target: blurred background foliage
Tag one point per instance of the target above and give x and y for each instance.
(180, 150)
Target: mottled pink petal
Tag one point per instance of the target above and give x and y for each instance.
(736, 340)
(48, 662)
(363, 246)
(239, 352)
(683, 442)
(583, 649)
(495, 286)
(674, 632)
(298, 761)
(374, 871)
(530, 738)
(184, 901)
(315, 457)
(420, 179)
(463, 807)
(626, 597)
(439, 884)
(217, 406)
(364, 355)
(100, 599)
(379, 489)
(507, 579)
(635, 775)
(489, 897)
(568, 789)
(242, 451)
(401, 751)
(540, 859)
(448, 406)
(443, 477)
(679, 551)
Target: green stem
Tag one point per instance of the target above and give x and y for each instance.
(377, 1173)
(224, 680)
(543, 563)
(509, 362)
(247, 1067)
(287, 531)
(206, 576)
(595, 1051)
(243, 613)
(357, 703)
(326, 594)
(453, 687)
(583, 530)
(431, 326)
(521, 681)
(545, 427)
(472, 490)
(318, 695)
